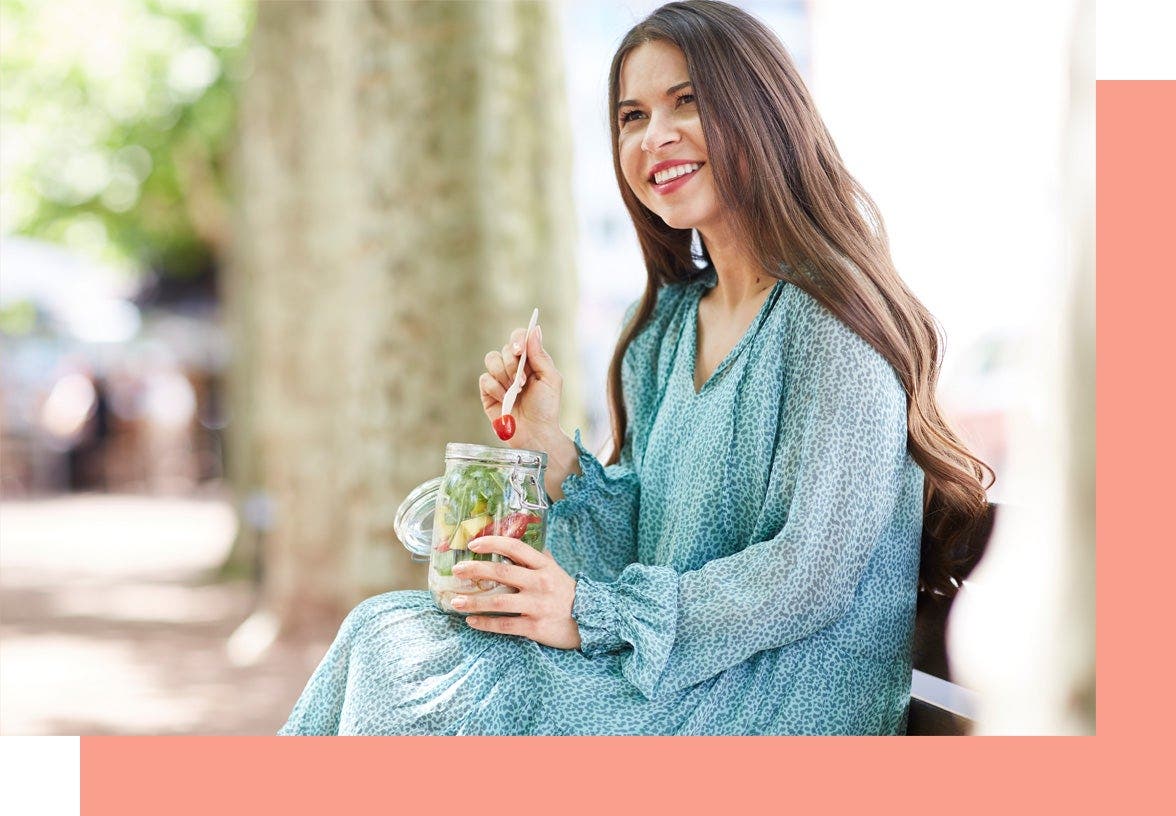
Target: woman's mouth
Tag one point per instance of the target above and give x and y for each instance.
(670, 179)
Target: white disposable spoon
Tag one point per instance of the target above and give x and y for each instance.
(505, 430)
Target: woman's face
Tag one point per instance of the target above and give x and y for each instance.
(662, 150)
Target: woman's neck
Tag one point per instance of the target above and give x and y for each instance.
(741, 278)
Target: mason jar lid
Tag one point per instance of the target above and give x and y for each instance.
(495, 456)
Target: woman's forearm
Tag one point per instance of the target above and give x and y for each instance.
(562, 459)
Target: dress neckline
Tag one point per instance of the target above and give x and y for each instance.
(707, 282)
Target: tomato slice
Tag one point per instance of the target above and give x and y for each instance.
(512, 526)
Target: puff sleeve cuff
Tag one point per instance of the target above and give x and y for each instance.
(596, 616)
(593, 527)
(636, 615)
(582, 489)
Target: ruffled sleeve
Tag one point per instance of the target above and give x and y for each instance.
(623, 614)
(593, 528)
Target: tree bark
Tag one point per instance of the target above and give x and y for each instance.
(402, 201)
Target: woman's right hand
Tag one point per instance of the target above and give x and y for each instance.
(536, 409)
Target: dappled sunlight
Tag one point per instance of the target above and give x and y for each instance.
(112, 622)
(70, 684)
(116, 535)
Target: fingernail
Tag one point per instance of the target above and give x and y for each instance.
(539, 333)
(458, 601)
(517, 348)
(475, 545)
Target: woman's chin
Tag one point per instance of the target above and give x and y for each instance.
(685, 218)
(677, 222)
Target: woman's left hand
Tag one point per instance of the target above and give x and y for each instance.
(543, 601)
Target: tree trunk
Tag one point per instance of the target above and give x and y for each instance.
(403, 201)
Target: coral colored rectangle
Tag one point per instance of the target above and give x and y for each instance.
(1136, 294)
(1119, 769)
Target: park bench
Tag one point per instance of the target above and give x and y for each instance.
(940, 707)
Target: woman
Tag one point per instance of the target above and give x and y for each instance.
(747, 561)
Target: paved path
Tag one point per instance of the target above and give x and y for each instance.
(110, 622)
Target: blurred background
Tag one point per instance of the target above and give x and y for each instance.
(252, 254)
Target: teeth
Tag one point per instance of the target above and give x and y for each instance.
(674, 172)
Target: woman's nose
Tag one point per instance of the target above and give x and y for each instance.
(660, 132)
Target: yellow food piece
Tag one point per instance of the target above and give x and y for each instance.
(467, 530)
(473, 526)
(459, 540)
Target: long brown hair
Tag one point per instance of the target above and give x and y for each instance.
(807, 221)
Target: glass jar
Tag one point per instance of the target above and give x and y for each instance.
(485, 491)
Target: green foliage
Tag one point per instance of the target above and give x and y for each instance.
(117, 119)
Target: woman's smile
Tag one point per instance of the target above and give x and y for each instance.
(670, 176)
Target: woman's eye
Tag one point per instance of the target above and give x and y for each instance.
(685, 99)
(629, 116)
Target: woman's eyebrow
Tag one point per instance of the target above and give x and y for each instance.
(669, 92)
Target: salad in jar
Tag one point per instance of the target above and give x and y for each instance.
(478, 499)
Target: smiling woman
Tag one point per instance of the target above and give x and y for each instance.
(747, 562)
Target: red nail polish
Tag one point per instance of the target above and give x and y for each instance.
(504, 426)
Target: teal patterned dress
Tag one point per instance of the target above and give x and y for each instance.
(748, 567)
